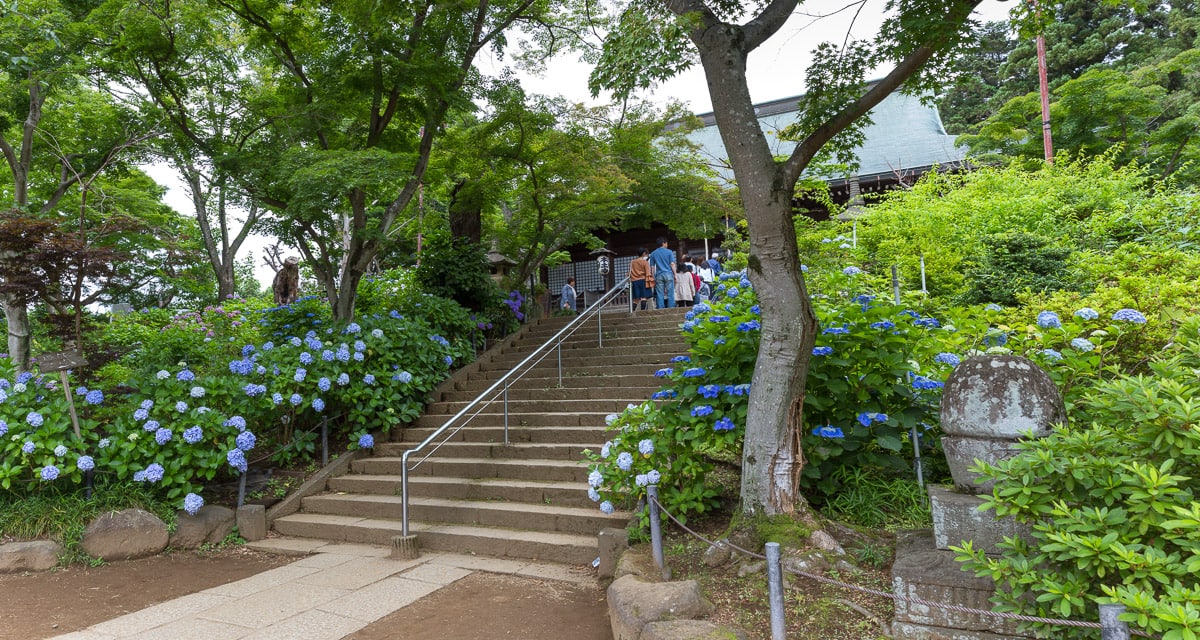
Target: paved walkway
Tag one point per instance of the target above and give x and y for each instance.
(332, 593)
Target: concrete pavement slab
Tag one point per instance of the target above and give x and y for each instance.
(309, 625)
(354, 549)
(273, 605)
(438, 574)
(160, 614)
(263, 581)
(357, 573)
(287, 546)
(192, 629)
(86, 634)
(377, 600)
(479, 563)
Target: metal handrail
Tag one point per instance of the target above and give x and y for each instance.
(555, 342)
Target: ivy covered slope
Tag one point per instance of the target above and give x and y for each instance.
(206, 394)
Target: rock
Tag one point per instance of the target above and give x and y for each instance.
(1000, 396)
(718, 554)
(748, 567)
(639, 562)
(252, 522)
(612, 543)
(811, 561)
(211, 524)
(633, 603)
(691, 630)
(34, 555)
(825, 542)
(123, 535)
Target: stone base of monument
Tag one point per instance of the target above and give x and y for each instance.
(958, 517)
(923, 571)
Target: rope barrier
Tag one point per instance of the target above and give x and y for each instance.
(887, 594)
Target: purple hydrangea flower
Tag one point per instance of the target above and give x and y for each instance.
(1048, 320)
(1129, 315)
(193, 434)
(1087, 313)
(155, 472)
(34, 419)
(947, 358)
(162, 436)
(85, 463)
(607, 507)
(318, 405)
(366, 441)
(95, 396)
(192, 503)
(624, 461)
(49, 472)
(237, 459)
(28, 447)
(246, 440)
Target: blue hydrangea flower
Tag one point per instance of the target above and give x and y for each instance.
(448, 360)
(732, 292)
(653, 476)
(60, 451)
(34, 419)
(1052, 355)
(738, 389)
(851, 271)
(837, 331)
(104, 443)
(404, 377)
(181, 406)
(641, 480)
(883, 325)
(81, 391)
(318, 405)
(993, 307)
(267, 346)
(691, 315)
(752, 325)
(162, 435)
(702, 410)
(193, 434)
(3, 428)
(1087, 313)
(376, 333)
(606, 507)
(947, 358)
(995, 338)
(246, 440)
(192, 504)
(694, 372)
(681, 359)
(1082, 344)
(929, 322)
(185, 376)
(366, 441)
(343, 379)
(141, 414)
(1048, 320)
(241, 367)
(756, 310)
(595, 479)
(147, 404)
(327, 355)
(646, 447)
(829, 431)
(662, 373)
(49, 472)
(323, 384)
(343, 354)
(237, 459)
(296, 399)
(724, 424)
(606, 449)
(277, 398)
(85, 463)
(306, 358)
(155, 472)
(295, 341)
(163, 374)
(300, 374)
(593, 495)
(702, 308)
(923, 383)
(718, 319)
(151, 425)
(312, 342)
(236, 422)
(720, 340)
(665, 394)
(822, 351)
(139, 476)
(353, 328)
(709, 390)
(1129, 315)
(610, 418)
(624, 461)
(359, 345)
(197, 392)
(369, 379)
(254, 390)
(28, 447)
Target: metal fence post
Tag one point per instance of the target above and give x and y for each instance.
(775, 592)
(324, 441)
(917, 458)
(559, 350)
(1111, 627)
(404, 494)
(242, 489)
(506, 412)
(656, 542)
(600, 326)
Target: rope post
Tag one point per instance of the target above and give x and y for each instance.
(1111, 627)
(775, 591)
(324, 441)
(917, 458)
(241, 489)
(656, 541)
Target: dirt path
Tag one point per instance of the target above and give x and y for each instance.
(42, 605)
(485, 605)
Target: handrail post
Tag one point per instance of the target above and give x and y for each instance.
(559, 349)
(404, 493)
(505, 413)
(600, 327)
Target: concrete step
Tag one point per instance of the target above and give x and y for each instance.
(571, 494)
(510, 515)
(590, 335)
(649, 386)
(563, 419)
(504, 543)
(571, 360)
(538, 380)
(549, 374)
(518, 434)
(497, 450)
(569, 405)
(587, 348)
(542, 470)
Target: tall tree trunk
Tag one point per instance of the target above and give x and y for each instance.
(772, 459)
(17, 315)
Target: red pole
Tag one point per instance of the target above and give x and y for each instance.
(1044, 86)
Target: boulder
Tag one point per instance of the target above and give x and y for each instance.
(34, 555)
(632, 604)
(718, 554)
(691, 630)
(825, 542)
(211, 525)
(123, 535)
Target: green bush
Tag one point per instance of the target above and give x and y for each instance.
(1112, 502)
(1015, 262)
(458, 269)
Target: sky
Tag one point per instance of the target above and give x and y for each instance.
(775, 71)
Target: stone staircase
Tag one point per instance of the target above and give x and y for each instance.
(477, 495)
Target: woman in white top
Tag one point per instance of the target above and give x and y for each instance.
(685, 286)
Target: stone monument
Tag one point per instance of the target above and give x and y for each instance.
(989, 403)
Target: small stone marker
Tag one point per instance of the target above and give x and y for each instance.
(252, 522)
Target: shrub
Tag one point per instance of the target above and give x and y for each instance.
(1113, 505)
(1016, 262)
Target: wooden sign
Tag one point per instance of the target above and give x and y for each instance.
(61, 361)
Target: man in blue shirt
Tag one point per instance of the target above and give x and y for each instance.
(663, 261)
